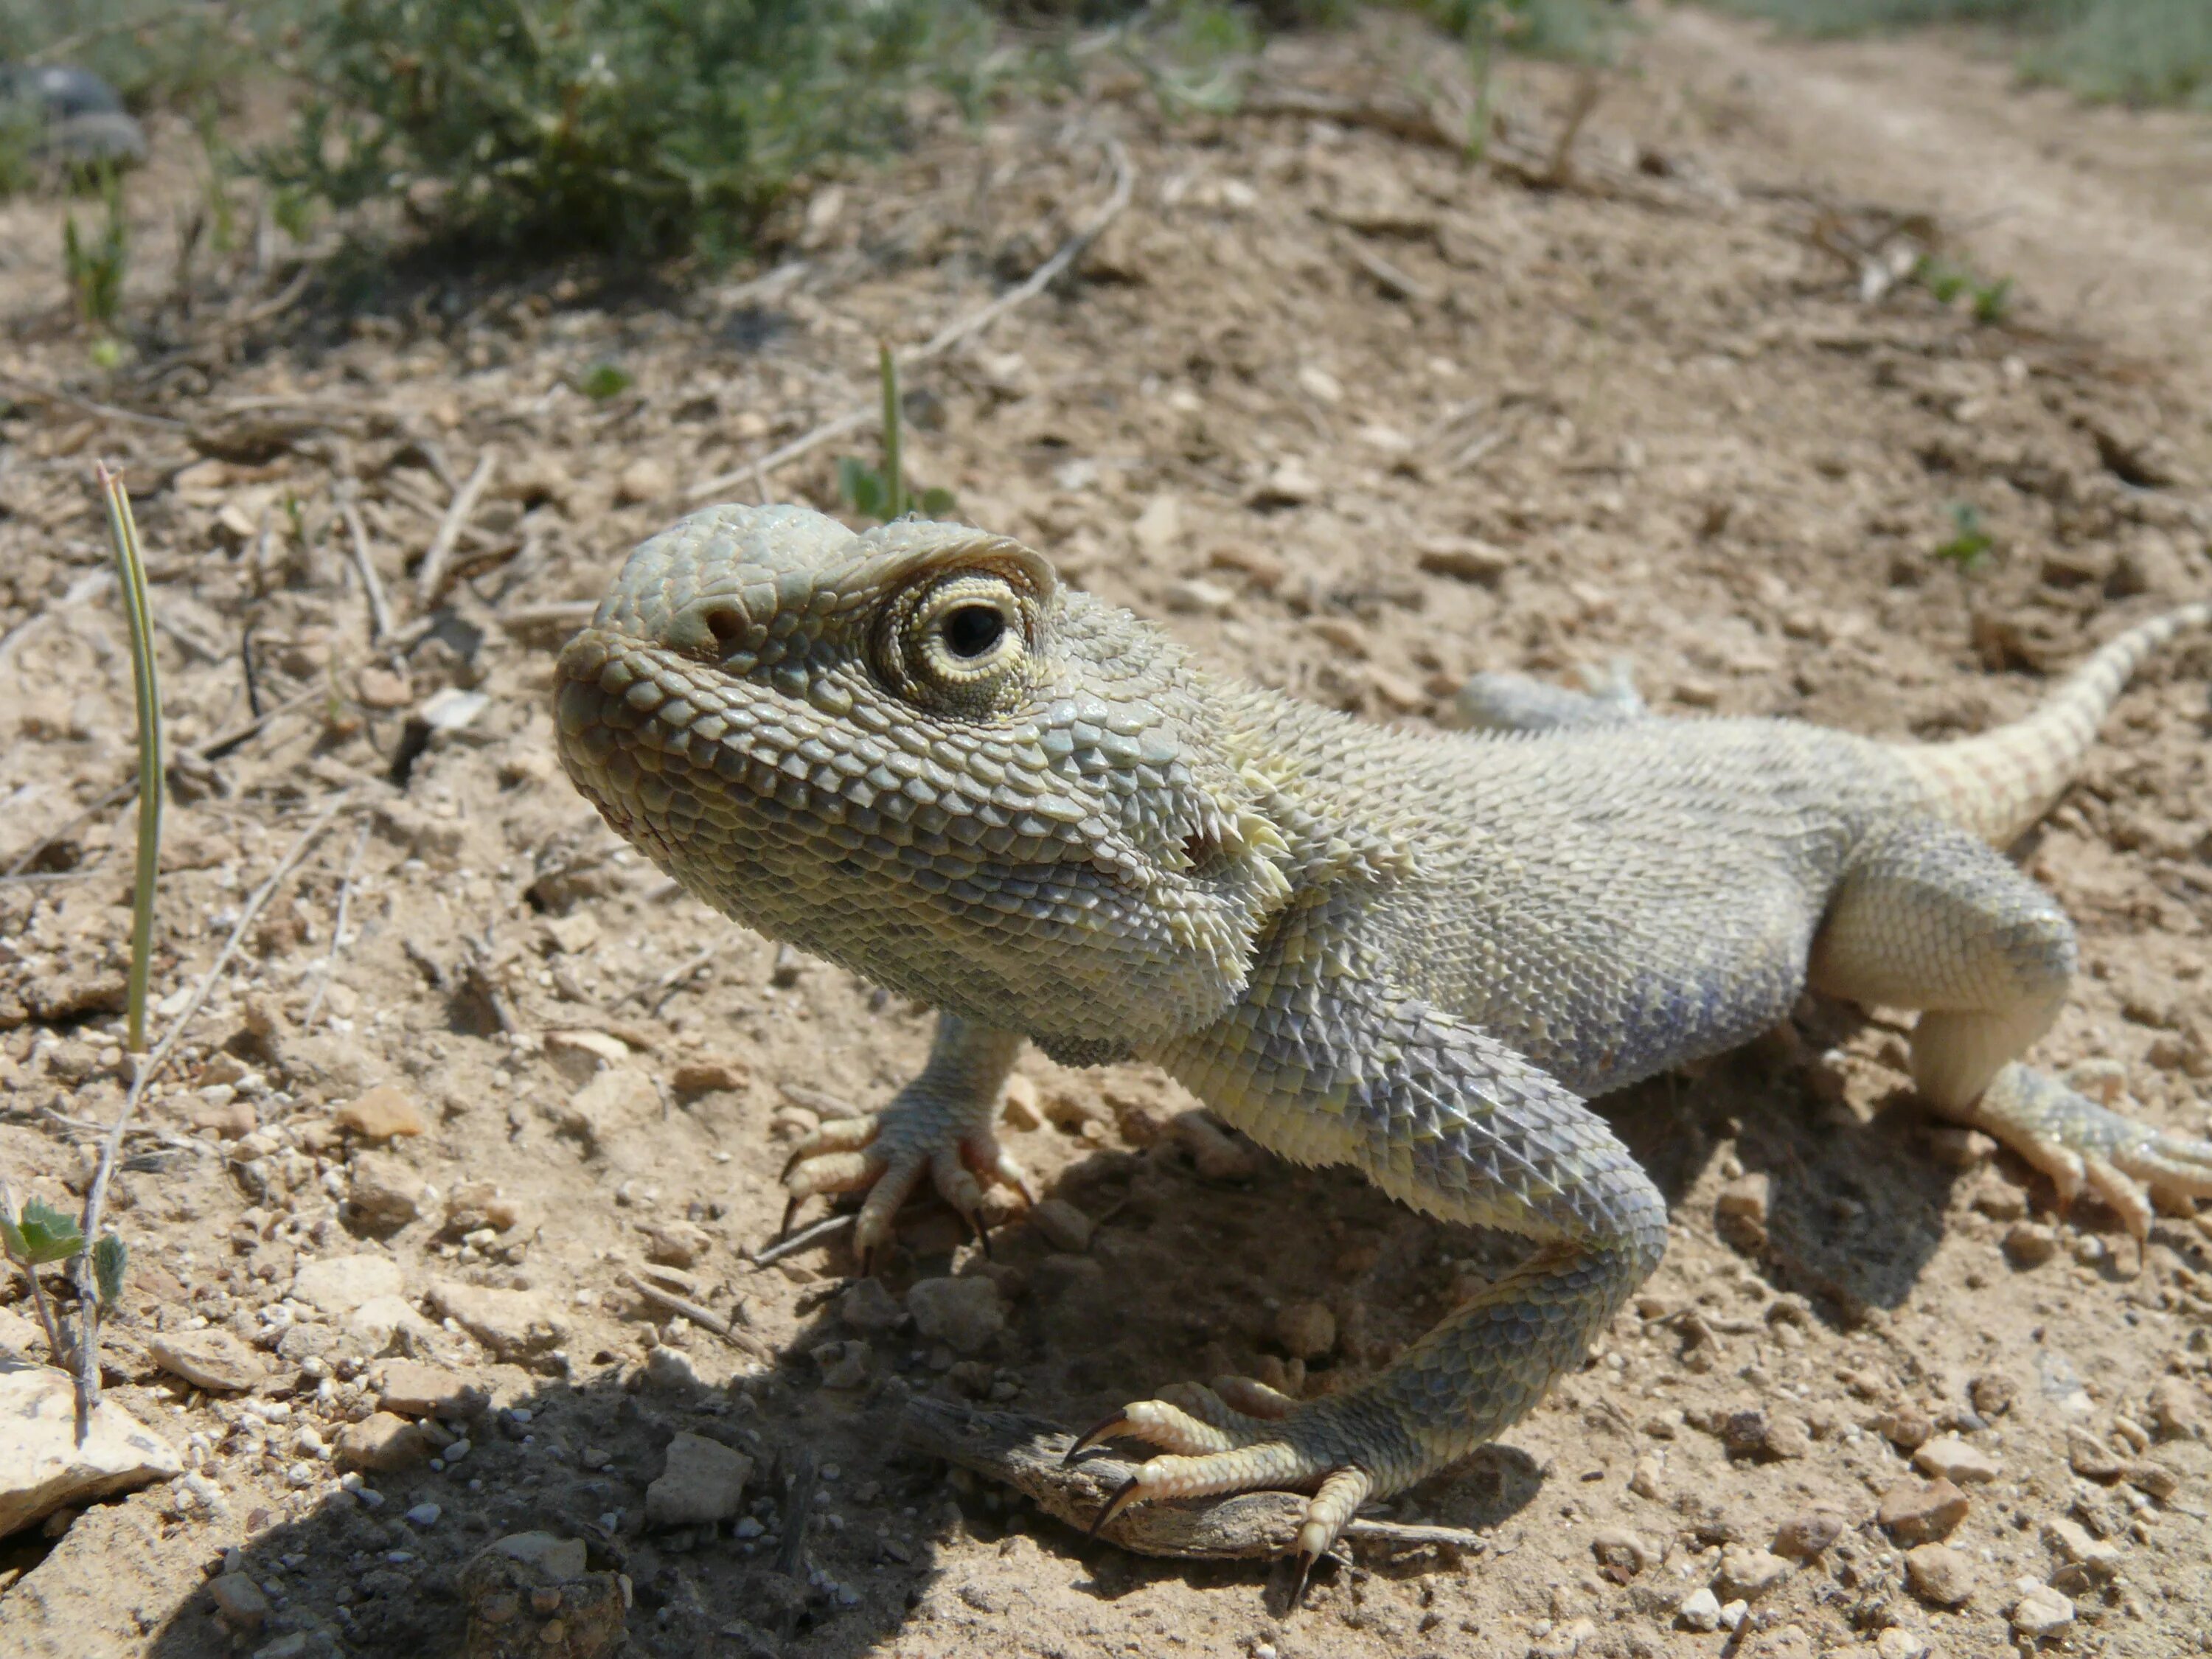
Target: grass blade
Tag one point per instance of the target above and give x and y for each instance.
(130, 577)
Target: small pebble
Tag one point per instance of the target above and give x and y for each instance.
(1956, 1461)
(2091, 1458)
(424, 1514)
(2041, 1610)
(1807, 1533)
(1938, 1574)
(1746, 1573)
(1700, 1610)
(1914, 1514)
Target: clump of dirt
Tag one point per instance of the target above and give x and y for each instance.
(487, 1103)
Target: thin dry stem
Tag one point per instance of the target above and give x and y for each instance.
(146, 1069)
(432, 580)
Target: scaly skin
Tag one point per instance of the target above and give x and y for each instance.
(915, 753)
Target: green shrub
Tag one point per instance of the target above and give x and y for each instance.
(153, 52)
(2134, 52)
(2138, 51)
(641, 129)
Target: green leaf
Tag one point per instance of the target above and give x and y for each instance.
(41, 1234)
(603, 380)
(936, 501)
(1992, 300)
(109, 1258)
(1972, 545)
(861, 487)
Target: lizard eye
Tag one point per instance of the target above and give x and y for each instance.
(963, 637)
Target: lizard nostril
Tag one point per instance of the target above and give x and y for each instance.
(726, 622)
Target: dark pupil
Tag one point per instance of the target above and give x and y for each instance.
(973, 629)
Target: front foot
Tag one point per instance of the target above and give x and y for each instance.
(886, 1154)
(1243, 1436)
(939, 1124)
(2078, 1144)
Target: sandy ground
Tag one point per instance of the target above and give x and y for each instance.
(1669, 410)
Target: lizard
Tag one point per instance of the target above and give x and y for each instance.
(919, 753)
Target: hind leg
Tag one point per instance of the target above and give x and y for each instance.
(1928, 917)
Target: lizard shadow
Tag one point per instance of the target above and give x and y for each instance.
(1186, 1274)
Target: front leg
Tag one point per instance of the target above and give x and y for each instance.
(1460, 1127)
(941, 1122)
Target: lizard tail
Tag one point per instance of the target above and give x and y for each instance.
(1997, 785)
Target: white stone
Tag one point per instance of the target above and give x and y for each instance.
(338, 1284)
(701, 1481)
(1700, 1610)
(213, 1359)
(43, 1469)
(384, 1323)
(2041, 1610)
(1952, 1459)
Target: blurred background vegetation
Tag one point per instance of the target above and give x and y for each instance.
(651, 128)
(2135, 52)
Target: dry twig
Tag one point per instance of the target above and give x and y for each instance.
(705, 1318)
(430, 581)
(148, 1067)
(812, 1233)
(337, 930)
(380, 608)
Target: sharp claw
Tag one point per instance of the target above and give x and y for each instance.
(1106, 1428)
(1124, 1498)
(790, 1209)
(982, 1235)
(1306, 1561)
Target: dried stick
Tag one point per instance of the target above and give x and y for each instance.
(653, 992)
(798, 1491)
(705, 1318)
(337, 930)
(431, 580)
(148, 1067)
(963, 328)
(814, 1232)
(380, 608)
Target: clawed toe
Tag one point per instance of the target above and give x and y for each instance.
(2080, 1144)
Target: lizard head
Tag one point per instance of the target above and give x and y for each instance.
(915, 752)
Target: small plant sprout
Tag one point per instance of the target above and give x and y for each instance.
(94, 268)
(881, 492)
(33, 1236)
(1970, 544)
(603, 380)
(1989, 299)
